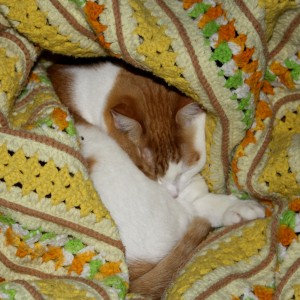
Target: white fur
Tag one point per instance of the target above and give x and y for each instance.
(219, 210)
(149, 219)
(190, 188)
(178, 174)
(90, 88)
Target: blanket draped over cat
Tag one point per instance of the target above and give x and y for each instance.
(239, 59)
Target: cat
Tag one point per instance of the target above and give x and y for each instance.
(145, 145)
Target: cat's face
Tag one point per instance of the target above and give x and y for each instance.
(161, 129)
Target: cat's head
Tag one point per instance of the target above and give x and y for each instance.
(162, 130)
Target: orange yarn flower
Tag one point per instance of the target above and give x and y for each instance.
(263, 110)
(286, 235)
(249, 139)
(226, 32)
(267, 87)
(268, 212)
(283, 73)
(235, 170)
(295, 205)
(23, 250)
(263, 292)
(79, 261)
(251, 67)
(212, 14)
(269, 205)
(254, 83)
(243, 58)
(287, 80)
(34, 77)
(93, 11)
(12, 238)
(110, 268)
(277, 68)
(59, 118)
(55, 254)
(240, 40)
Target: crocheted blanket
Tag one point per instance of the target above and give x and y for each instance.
(240, 59)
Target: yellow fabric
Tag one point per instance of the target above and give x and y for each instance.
(46, 179)
(8, 78)
(277, 173)
(274, 9)
(59, 290)
(226, 253)
(156, 48)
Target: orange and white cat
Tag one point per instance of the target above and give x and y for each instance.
(146, 146)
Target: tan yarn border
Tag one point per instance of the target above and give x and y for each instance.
(272, 253)
(286, 277)
(31, 289)
(41, 275)
(3, 27)
(286, 36)
(21, 45)
(119, 33)
(243, 7)
(202, 79)
(259, 155)
(72, 21)
(65, 223)
(45, 140)
(3, 121)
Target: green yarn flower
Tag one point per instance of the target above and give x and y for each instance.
(270, 76)
(74, 246)
(294, 67)
(7, 220)
(288, 218)
(234, 81)
(210, 28)
(248, 118)
(199, 8)
(117, 283)
(94, 267)
(47, 236)
(222, 53)
(79, 3)
(9, 293)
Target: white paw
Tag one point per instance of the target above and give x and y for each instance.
(243, 210)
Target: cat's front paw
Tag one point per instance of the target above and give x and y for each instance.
(243, 210)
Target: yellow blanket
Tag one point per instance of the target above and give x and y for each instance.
(240, 59)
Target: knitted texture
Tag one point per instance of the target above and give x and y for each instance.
(239, 59)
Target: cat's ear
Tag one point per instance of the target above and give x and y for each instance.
(125, 121)
(187, 111)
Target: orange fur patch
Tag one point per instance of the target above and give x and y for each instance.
(154, 105)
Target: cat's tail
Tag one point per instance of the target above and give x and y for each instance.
(152, 280)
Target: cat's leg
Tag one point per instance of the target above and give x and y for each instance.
(219, 209)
